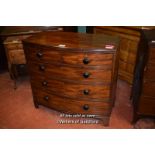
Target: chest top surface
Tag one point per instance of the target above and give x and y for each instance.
(75, 41)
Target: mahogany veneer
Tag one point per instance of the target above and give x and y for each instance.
(73, 73)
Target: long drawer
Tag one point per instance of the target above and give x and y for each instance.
(70, 73)
(72, 58)
(71, 90)
(71, 106)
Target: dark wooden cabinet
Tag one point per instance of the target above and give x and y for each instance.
(73, 73)
(143, 92)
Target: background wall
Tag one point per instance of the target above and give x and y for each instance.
(82, 29)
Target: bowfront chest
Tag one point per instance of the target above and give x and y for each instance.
(73, 73)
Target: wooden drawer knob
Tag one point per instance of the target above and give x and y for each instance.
(44, 83)
(39, 54)
(42, 67)
(86, 92)
(86, 107)
(86, 74)
(46, 98)
(86, 61)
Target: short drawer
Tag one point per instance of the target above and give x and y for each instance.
(71, 90)
(87, 59)
(42, 55)
(71, 73)
(71, 106)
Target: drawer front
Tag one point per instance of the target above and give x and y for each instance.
(41, 55)
(70, 73)
(76, 91)
(149, 89)
(17, 57)
(88, 59)
(71, 106)
(72, 58)
(147, 105)
(14, 46)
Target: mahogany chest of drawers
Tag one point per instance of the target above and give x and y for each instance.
(73, 73)
(144, 78)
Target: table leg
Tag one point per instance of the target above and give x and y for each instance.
(14, 74)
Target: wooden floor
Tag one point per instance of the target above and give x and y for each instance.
(17, 109)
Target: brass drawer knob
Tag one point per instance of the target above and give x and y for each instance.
(86, 61)
(46, 98)
(86, 107)
(44, 83)
(39, 54)
(86, 92)
(42, 67)
(86, 74)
